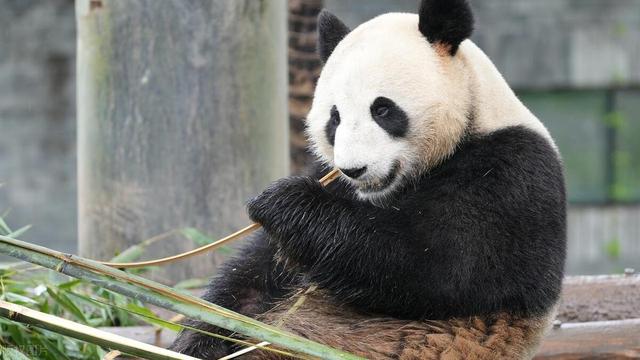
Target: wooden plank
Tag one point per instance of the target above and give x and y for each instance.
(618, 339)
(600, 298)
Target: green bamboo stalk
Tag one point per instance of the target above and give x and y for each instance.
(66, 327)
(154, 293)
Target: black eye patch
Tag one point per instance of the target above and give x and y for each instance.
(332, 125)
(390, 117)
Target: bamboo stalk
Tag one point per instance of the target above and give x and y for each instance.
(201, 250)
(154, 293)
(325, 180)
(66, 327)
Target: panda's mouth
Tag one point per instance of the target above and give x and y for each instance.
(380, 184)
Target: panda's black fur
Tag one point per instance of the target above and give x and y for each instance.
(393, 119)
(479, 235)
(330, 32)
(483, 232)
(449, 22)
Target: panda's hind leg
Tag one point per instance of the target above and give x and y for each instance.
(250, 284)
(500, 336)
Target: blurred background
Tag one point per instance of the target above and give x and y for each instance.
(573, 62)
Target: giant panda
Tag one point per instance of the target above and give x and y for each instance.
(445, 236)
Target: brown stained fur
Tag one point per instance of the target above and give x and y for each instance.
(442, 49)
(496, 337)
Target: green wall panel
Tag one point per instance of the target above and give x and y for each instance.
(576, 122)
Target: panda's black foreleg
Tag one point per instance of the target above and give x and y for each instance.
(248, 284)
(362, 254)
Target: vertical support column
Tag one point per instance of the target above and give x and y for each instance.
(182, 116)
(304, 70)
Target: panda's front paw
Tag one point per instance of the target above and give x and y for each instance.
(284, 202)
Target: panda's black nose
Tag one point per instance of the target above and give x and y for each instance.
(354, 173)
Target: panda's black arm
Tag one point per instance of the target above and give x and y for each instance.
(361, 253)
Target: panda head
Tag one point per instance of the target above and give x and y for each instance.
(393, 98)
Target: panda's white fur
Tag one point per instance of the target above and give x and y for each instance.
(439, 93)
(496, 104)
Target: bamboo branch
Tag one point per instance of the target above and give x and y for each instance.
(82, 332)
(151, 292)
(325, 180)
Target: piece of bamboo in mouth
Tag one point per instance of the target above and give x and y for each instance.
(325, 180)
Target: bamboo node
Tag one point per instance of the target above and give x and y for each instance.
(60, 267)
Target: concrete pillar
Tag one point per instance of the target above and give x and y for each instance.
(182, 116)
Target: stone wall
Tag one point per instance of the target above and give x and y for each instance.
(542, 43)
(37, 119)
(536, 44)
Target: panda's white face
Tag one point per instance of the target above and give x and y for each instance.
(388, 106)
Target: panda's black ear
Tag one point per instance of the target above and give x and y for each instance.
(446, 22)
(330, 32)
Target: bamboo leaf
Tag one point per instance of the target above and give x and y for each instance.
(171, 326)
(16, 332)
(4, 228)
(67, 304)
(132, 253)
(100, 352)
(142, 312)
(12, 354)
(160, 295)
(86, 333)
(97, 322)
(13, 297)
(201, 239)
(123, 316)
(196, 236)
(69, 284)
(52, 350)
(148, 316)
(16, 234)
(12, 266)
(191, 284)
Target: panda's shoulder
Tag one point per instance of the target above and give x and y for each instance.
(514, 147)
(512, 159)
